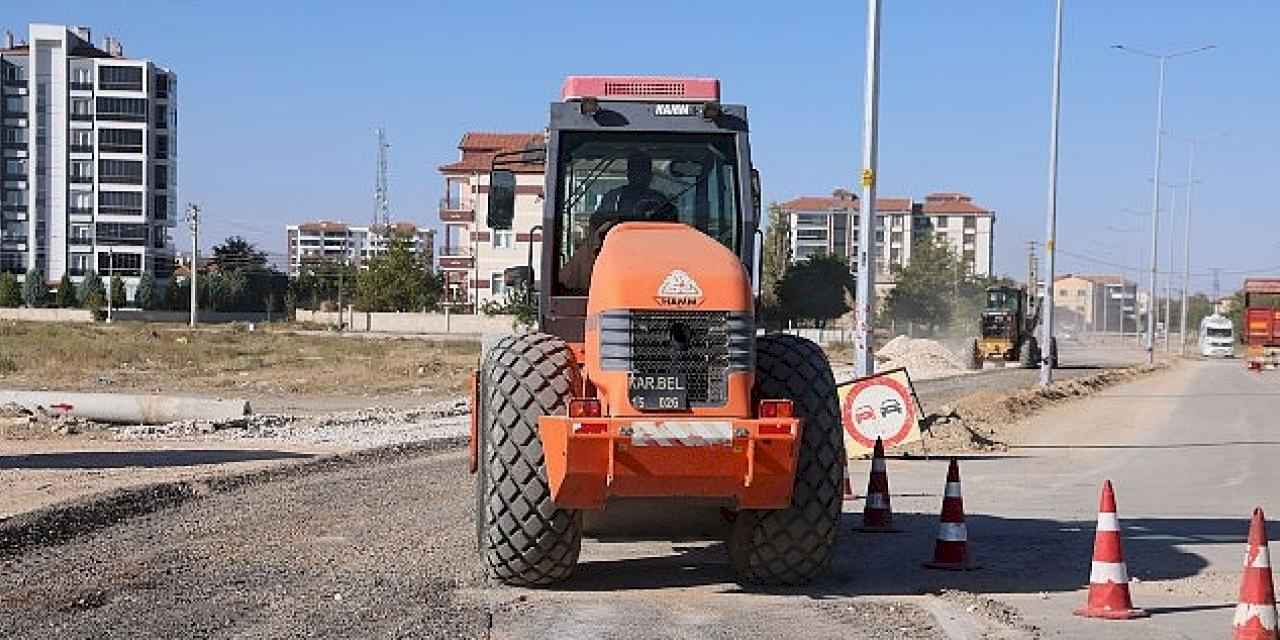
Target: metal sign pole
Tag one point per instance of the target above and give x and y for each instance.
(864, 354)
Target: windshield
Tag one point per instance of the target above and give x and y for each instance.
(1002, 299)
(606, 178)
(1217, 333)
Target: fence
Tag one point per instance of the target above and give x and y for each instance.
(47, 315)
(410, 323)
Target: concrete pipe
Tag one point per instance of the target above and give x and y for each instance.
(128, 409)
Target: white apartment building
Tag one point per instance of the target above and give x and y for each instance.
(473, 257)
(324, 240)
(89, 145)
(829, 225)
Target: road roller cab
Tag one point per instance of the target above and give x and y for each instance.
(645, 377)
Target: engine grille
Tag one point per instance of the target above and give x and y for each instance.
(703, 346)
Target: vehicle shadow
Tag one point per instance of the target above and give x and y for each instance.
(1016, 555)
(156, 458)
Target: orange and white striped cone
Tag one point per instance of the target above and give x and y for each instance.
(1109, 575)
(848, 484)
(877, 514)
(951, 552)
(1256, 614)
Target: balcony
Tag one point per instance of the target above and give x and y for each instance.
(82, 117)
(81, 148)
(118, 148)
(16, 114)
(16, 82)
(120, 86)
(80, 86)
(451, 210)
(123, 117)
(80, 179)
(120, 179)
(73, 210)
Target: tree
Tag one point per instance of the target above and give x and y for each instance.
(776, 255)
(929, 288)
(10, 293)
(235, 253)
(519, 301)
(177, 296)
(816, 289)
(66, 296)
(93, 295)
(397, 281)
(146, 296)
(119, 293)
(35, 293)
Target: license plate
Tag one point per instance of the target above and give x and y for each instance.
(658, 392)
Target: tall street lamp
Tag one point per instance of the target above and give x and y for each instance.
(1155, 187)
(1048, 361)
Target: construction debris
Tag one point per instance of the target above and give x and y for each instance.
(923, 358)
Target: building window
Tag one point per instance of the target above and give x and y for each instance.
(81, 234)
(80, 263)
(81, 107)
(162, 85)
(120, 171)
(970, 222)
(161, 120)
(80, 170)
(15, 105)
(127, 109)
(15, 197)
(497, 284)
(126, 203)
(120, 140)
(895, 256)
(82, 202)
(1080, 293)
(812, 219)
(162, 147)
(970, 258)
(81, 76)
(82, 139)
(125, 264)
(116, 78)
(112, 233)
(162, 176)
(941, 222)
(15, 167)
(160, 207)
(14, 135)
(811, 234)
(502, 239)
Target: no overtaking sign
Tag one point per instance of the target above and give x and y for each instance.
(882, 405)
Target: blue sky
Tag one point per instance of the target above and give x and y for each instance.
(279, 102)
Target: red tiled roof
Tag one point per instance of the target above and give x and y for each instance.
(832, 203)
(484, 141)
(322, 226)
(478, 149)
(951, 203)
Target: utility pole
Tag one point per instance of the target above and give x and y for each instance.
(381, 189)
(1217, 287)
(111, 268)
(193, 217)
(1186, 249)
(1168, 280)
(1046, 335)
(1033, 264)
(864, 356)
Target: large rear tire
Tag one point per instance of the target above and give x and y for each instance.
(526, 540)
(794, 545)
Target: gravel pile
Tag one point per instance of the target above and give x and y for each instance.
(362, 429)
(923, 358)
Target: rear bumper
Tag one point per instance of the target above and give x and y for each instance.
(750, 461)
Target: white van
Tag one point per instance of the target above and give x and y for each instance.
(1216, 337)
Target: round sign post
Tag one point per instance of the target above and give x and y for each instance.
(879, 406)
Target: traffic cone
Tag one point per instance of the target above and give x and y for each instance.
(877, 514)
(1256, 613)
(848, 484)
(951, 551)
(1109, 575)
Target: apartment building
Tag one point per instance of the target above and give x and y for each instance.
(1098, 302)
(473, 256)
(829, 225)
(325, 240)
(89, 145)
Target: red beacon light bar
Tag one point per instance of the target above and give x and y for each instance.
(641, 88)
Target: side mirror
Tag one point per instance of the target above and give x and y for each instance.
(502, 200)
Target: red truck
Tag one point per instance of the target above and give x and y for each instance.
(1261, 334)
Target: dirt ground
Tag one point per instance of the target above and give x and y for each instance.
(275, 368)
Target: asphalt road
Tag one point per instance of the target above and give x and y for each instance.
(383, 548)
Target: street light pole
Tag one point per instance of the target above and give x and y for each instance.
(1186, 251)
(1046, 336)
(864, 355)
(1155, 186)
(193, 215)
(1168, 279)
